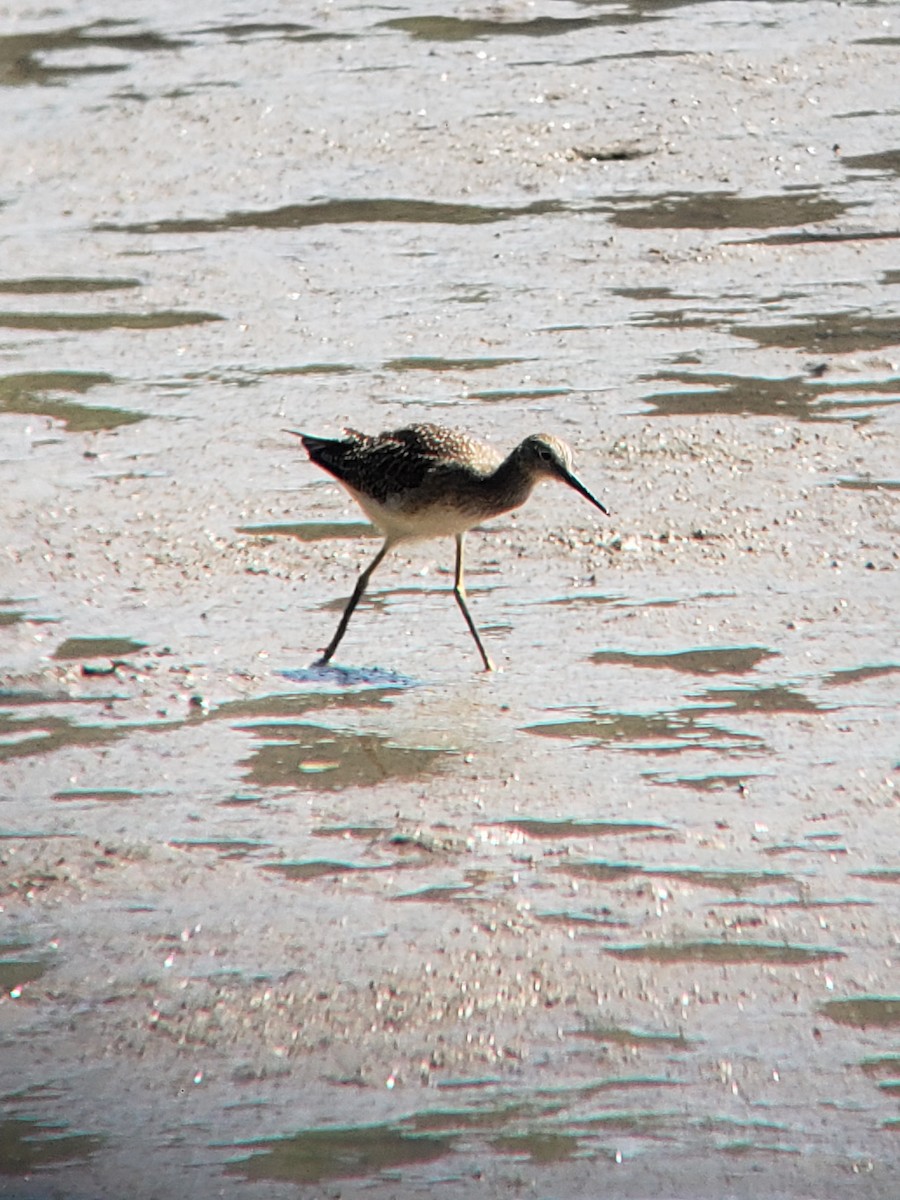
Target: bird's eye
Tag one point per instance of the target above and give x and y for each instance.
(545, 453)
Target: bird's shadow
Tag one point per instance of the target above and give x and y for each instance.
(319, 672)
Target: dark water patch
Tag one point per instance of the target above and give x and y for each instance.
(76, 418)
(864, 1012)
(883, 162)
(777, 698)
(580, 827)
(880, 1064)
(680, 318)
(80, 648)
(34, 394)
(440, 892)
(24, 57)
(312, 368)
(801, 901)
(671, 601)
(465, 29)
(345, 212)
(820, 236)
(338, 1152)
(469, 1121)
(879, 874)
(723, 782)
(878, 41)
(28, 1145)
(469, 1081)
(288, 705)
(470, 294)
(317, 868)
(44, 734)
(651, 52)
(757, 1125)
(80, 418)
(600, 870)
(850, 332)
(633, 1122)
(616, 1083)
(648, 293)
(33, 835)
(577, 598)
(859, 404)
(621, 1035)
(93, 322)
(15, 973)
(758, 1148)
(241, 799)
(540, 1147)
(31, 618)
(247, 377)
(867, 484)
(27, 728)
(424, 363)
(612, 151)
(64, 285)
(727, 210)
(25, 699)
(260, 31)
(227, 848)
(126, 34)
(725, 660)
(730, 953)
(814, 843)
(37, 1092)
(649, 733)
(98, 795)
(520, 394)
(495, 1114)
(316, 757)
(312, 531)
(732, 879)
(799, 397)
(366, 833)
(748, 1146)
(740, 395)
(581, 917)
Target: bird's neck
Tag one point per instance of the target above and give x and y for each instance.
(510, 485)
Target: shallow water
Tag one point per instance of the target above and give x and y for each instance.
(620, 915)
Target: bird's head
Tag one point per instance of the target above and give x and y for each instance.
(546, 456)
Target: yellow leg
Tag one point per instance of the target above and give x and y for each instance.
(361, 585)
(459, 591)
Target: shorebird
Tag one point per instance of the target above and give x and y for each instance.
(429, 481)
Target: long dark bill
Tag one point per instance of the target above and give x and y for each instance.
(579, 487)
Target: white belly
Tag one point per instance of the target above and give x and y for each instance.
(400, 524)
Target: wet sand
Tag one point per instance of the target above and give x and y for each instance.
(620, 918)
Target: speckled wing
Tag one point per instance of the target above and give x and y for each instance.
(399, 461)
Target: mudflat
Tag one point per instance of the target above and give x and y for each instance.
(617, 919)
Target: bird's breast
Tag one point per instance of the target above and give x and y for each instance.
(410, 516)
